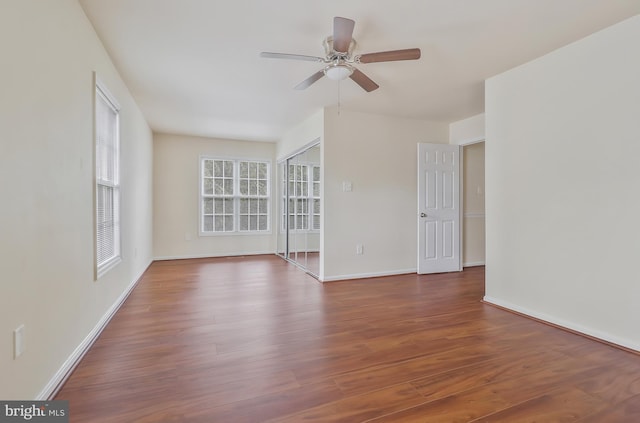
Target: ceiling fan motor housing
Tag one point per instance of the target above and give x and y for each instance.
(332, 54)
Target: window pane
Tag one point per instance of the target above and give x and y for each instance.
(253, 206)
(228, 186)
(207, 223)
(228, 206)
(316, 206)
(207, 186)
(262, 188)
(218, 187)
(208, 168)
(208, 205)
(263, 206)
(262, 223)
(253, 223)
(228, 223)
(244, 169)
(219, 223)
(244, 205)
(253, 187)
(228, 169)
(262, 170)
(244, 223)
(253, 170)
(217, 168)
(218, 205)
(244, 187)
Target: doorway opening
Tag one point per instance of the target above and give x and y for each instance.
(473, 221)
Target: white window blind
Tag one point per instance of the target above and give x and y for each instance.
(107, 205)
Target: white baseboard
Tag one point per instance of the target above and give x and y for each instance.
(214, 255)
(473, 264)
(368, 275)
(565, 324)
(50, 390)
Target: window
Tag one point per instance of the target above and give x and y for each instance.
(107, 189)
(234, 196)
(303, 184)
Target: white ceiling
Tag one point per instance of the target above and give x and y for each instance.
(194, 68)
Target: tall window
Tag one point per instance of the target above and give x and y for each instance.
(303, 184)
(107, 188)
(234, 196)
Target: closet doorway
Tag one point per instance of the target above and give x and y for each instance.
(299, 216)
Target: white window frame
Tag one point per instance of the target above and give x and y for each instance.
(106, 160)
(236, 198)
(310, 216)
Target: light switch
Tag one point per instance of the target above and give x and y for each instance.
(347, 186)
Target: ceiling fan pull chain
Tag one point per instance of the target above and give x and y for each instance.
(339, 83)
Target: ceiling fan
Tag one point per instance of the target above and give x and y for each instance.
(340, 60)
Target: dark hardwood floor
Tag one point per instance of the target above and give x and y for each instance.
(255, 339)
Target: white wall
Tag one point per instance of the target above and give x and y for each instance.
(562, 184)
(49, 53)
(467, 131)
(176, 197)
(306, 132)
(377, 154)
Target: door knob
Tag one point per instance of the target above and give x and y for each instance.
(423, 215)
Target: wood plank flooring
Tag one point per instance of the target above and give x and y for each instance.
(254, 339)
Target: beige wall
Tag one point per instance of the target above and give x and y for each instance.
(378, 155)
(562, 183)
(176, 197)
(49, 54)
(473, 203)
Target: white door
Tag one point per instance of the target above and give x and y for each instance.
(439, 208)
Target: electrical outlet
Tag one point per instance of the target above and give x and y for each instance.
(359, 249)
(18, 341)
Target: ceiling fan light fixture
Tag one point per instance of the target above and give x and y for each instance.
(338, 71)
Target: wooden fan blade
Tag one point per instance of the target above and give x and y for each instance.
(291, 56)
(391, 56)
(310, 80)
(364, 81)
(342, 34)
